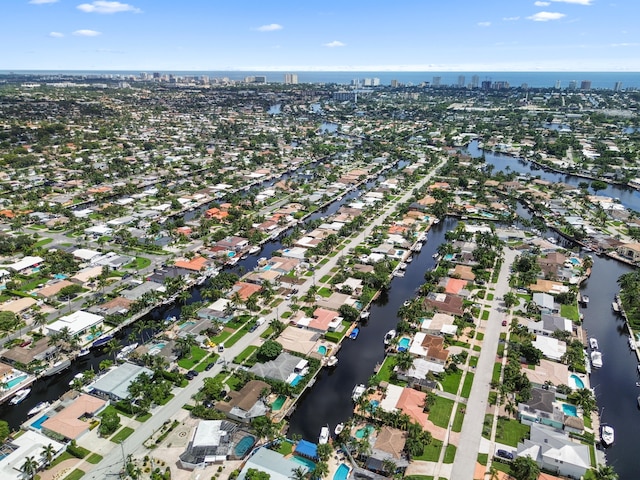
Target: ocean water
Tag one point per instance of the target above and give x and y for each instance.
(599, 80)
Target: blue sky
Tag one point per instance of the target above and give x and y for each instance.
(409, 35)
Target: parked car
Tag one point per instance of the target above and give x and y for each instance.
(221, 348)
(504, 323)
(504, 454)
(209, 366)
(191, 374)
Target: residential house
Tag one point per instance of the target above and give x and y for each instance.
(549, 324)
(554, 451)
(247, 404)
(630, 251)
(445, 302)
(389, 445)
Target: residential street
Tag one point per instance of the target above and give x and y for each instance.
(471, 434)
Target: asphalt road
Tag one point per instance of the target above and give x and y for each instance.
(471, 434)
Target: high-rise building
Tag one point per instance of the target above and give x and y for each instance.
(376, 82)
(290, 78)
(475, 81)
(558, 83)
(585, 85)
(436, 81)
(461, 81)
(573, 84)
(395, 84)
(486, 85)
(617, 87)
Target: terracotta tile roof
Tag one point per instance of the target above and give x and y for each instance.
(196, 264)
(391, 440)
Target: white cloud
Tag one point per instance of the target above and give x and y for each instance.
(624, 44)
(484, 24)
(102, 6)
(272, 27)
(542, 4)
(546, 16)
(511, 19)
(86, 33)
(576, 2)
(334, 44)
(42, 2)
(56, 34)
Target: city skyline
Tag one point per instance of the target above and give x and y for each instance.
(550, 35)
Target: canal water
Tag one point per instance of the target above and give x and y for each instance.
(329, 400)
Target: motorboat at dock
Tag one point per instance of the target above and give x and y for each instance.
(593, 343)
(20, 396)
(390, 335)
(324, 435)
(357, 392)
(607, 434)
(596, 359)
(38, 408)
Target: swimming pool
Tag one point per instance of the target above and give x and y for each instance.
(278, 402)
(364, 431)
(38, 423)
(574, 260)
(403, 344)
(244, 445)
(15, 381)
(575, 382)
(231, 254)
(296, 380)
(187, 324)
(342, 473)
(322, 350)
(305, 462)
(59, 276)
(449, 256)
(569, 410)
(155, 349)
(373, 405)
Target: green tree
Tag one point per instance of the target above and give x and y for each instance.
(253, 474)
(5, 431)
(604, 472)
(269, 350)
(525, 468)
(29, 467)
(110, 423)
(47, 453)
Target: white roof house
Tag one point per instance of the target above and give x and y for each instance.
(77, 322)
(85, 254)
(29, 444)
(24, 263)
(552, 348)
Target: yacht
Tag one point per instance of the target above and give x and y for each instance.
(596, 359)
(390, 335)
(365, 315)
(126, 351)
(83, 352)
(615, 306)
(339, 428)
(357, 392)
(398, 273)
(324, 435)
(632, 343)
(607, 434)
(19, 396)
(38, 408)
(102, 341)
(593, 343)
(354, 333)
(333, 361)
(254, 249)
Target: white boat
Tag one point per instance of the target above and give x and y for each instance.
(339, 428)
(402, 266)
(409, 260)
(365, 315)
(254, 249)
(593, 343)
(607, 434)
(390, 335)
(552, 240)
(417, 247)
(332, 361)
(84, 351)
(126, 351)
(77, 376)
(324, 435)
(596, 359)
(357, 392)
(632, 343)
(19, 396)
(615, 307)
(38, 408)
(398, 273)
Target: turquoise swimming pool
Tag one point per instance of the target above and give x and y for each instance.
(15, 381)
(322, 350)
(342, 473)
(569, 410)
(244, 445)
(364, 431)
(305, 462)
(38, 423)
(296, 380)
(403, 344)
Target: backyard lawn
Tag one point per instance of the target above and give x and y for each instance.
(189, 362)
(451, 381)
(510, 431)
(441, 412)
(431, 452)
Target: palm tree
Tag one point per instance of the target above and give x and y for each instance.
(298, 473)
(321, 470)
(48, 451)
(389, 466)
(604, 472)
(29, 467)
(525, 468)
(113, 347)
(404, 361)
